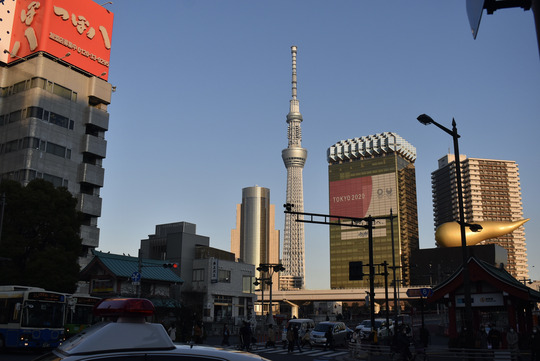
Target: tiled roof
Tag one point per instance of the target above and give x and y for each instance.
(124, 266)
(506, 277)
(500, 274)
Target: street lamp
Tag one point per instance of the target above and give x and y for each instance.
(426, 120)
(270, 269)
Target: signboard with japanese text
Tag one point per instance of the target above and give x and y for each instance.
(79, 32)
(214, 269)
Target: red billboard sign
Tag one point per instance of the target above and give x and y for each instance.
(363, 196)
(79, 32)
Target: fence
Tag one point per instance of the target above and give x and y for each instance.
(360, 351)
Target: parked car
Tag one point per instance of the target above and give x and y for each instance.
(339, 331)
(304, 325)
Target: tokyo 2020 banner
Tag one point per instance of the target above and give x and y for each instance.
(364, 196)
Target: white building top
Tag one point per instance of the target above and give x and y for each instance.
(371, 146)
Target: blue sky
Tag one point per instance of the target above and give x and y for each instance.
(203, 90)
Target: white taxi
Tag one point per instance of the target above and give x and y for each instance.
(128, 337)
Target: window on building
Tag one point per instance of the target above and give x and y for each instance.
(224, 276)
(247, 284)
(198, 275)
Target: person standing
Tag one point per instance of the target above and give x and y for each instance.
(245, 335)
(172, 332)
(494, 338)
(329, 335)
(512, 340)
(482, 338)
(535, 344)
(226, 334)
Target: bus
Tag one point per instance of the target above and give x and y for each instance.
(79, 313)
(31, 317)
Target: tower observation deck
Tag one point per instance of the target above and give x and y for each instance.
(294, 158)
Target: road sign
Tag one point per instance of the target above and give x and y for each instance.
(426, 292)
(420, 292)
(135, 277)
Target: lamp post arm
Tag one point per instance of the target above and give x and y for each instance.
(452, 132)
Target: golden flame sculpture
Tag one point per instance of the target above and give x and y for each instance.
(449, 234)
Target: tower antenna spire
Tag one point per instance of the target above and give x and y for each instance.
(293, 52)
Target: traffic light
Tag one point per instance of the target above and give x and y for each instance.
(356, 271)
(170, 265)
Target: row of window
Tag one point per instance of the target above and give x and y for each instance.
(39, 113)
(35, 143)
(26, 175)
(224, 276)
(41, 83)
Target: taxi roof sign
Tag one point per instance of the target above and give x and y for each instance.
(116, 307)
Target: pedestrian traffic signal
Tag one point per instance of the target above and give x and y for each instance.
(170, 265)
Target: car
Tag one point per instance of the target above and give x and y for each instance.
(304, 325)
(339, 331)
(126, 336)
(364, 328)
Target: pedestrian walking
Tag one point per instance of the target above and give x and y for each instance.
(306, 340)
(290, 339)
(296, 338)
(271, 337)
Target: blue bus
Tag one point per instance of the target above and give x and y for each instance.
(31, 317)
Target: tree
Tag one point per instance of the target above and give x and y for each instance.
(40, 236)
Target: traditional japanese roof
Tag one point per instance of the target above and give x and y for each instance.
(482, 271)
(124, 266)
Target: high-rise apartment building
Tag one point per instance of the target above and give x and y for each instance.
(54, 62)
(294, 158)
(372, 176)
(491, 192)
(255, 239)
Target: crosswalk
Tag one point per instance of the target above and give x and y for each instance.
(311, 353)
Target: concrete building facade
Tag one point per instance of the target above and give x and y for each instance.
(491, 192)
(214, 283)
(53, 103)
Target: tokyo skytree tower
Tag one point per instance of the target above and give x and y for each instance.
(294, 157)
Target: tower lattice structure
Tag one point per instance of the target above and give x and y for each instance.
(294, 158)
